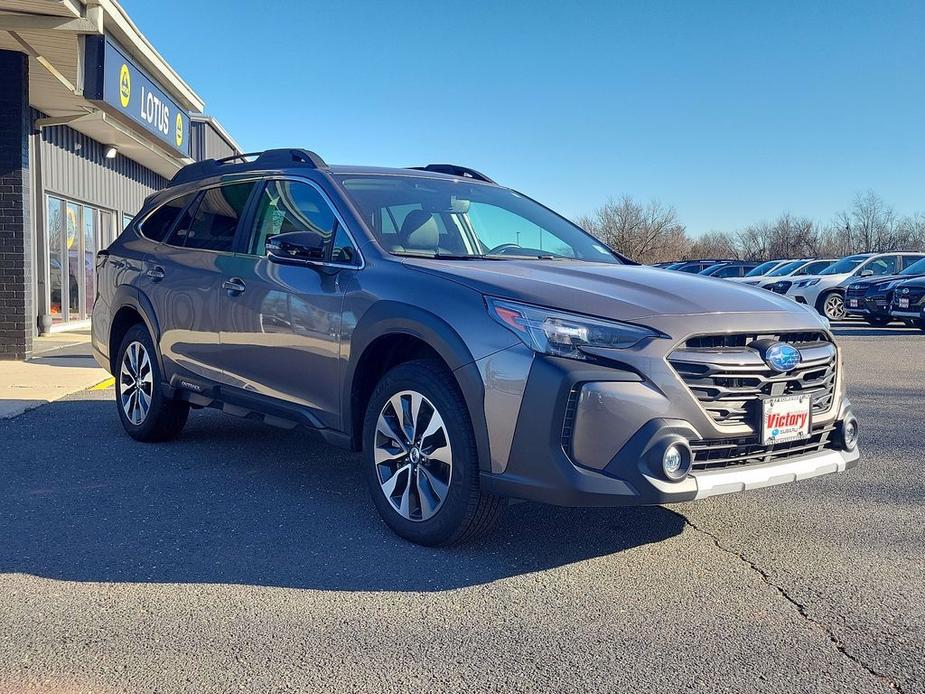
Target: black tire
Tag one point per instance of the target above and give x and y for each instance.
(466, 512)
(165, 418)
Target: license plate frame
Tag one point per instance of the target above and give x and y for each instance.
(777, 423)
(903, 302)
(852, 303)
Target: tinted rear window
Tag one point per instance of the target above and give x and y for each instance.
(157, 225)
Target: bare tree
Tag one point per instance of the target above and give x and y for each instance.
(714, 244)
(647, 233)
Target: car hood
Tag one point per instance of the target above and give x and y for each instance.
(618, 292)
(828, 280)
(868, 282)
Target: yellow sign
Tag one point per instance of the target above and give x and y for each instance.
(125, 86)
(179, 131)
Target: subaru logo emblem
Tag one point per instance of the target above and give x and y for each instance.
(782, 357)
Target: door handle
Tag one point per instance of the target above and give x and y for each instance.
(234, 286)
(157, 273)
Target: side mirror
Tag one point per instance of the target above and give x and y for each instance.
(866, 273)
(296, 247)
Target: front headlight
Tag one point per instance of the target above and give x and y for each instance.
(809, 283)
(564, 334)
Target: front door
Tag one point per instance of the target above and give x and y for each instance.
(281, 324)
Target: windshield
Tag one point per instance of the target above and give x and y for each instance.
(763, 268)
(675, 266)
(917, 268)
(713, 268)
(813, 267)
(445, 218)
(786, 268)
(844, 265)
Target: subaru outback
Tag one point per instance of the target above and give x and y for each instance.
(471, 343)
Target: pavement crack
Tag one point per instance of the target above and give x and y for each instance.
(801, 608)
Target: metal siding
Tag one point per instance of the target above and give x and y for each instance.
(75, 166)
(206, 142)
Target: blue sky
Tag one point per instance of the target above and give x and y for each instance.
(728, 111)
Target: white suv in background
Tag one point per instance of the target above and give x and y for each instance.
(826, 291)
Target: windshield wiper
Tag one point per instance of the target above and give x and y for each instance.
(448, 256)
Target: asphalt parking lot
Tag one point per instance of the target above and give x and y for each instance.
(243, 557)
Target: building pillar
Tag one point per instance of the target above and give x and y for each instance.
(16, 310)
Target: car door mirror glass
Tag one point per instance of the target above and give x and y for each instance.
(296, 247)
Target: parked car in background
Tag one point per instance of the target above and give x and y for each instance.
(808, 267)
(826, 291)
(737, 268)
(696, 266)
(757, 274)
(908, 302)
(872, 298)
(665, 264)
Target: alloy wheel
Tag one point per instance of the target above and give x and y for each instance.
(136, 383)
(834, 307)
(413, 455)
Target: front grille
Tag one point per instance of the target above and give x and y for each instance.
(719, 453)
(853, 293)
(730, 379)
(914, 294)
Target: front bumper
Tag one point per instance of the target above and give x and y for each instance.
(586, 434)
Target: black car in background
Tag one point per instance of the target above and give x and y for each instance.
(696, 266)
(872, 298)
(732, 268)
(908, 302)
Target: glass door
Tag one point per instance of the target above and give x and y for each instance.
(75, 233)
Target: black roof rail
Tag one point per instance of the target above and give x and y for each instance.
(268, 159)
(455, 170)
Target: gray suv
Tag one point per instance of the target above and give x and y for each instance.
(473, 344)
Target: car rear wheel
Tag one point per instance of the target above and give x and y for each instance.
(421, 463)
(833, 306)
(146, 414)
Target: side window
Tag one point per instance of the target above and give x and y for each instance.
(343, 251)
(216, 218)
(287, 206)
(882, 266)
(911, 259)
(157, 225)
(730, 271)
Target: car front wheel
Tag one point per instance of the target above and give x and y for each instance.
(833, 306)
(421, 463)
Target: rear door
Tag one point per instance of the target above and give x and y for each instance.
(281, 324)
(184, 282)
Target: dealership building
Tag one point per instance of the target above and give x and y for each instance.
(92, 121)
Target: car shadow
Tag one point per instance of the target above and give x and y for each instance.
(234, 501)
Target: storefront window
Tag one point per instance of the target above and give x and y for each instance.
(73, 260)
(55, 264)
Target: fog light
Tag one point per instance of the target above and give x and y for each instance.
(676, 462)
